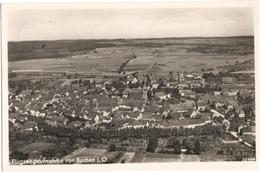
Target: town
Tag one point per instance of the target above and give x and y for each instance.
(133, 116)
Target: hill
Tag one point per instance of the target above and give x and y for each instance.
(28, 50)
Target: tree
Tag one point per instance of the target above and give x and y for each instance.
(187, 145)
(253, 144)
(171, 75)
(176, 93)
(177, 147)
(197, 147)
(153, 143)
(112, 148)
(19, 155)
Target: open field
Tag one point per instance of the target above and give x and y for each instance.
(162, 157)
(93, 56)
(37, 146)
(85, 152)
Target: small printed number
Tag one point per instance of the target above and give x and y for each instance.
(248, 159)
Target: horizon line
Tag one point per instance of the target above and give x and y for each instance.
(144, 38)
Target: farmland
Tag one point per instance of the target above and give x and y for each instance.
(92, 56)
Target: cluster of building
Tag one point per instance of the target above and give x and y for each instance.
(87, 102)
(134, 100)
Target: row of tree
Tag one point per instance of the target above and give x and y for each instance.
(144, 132)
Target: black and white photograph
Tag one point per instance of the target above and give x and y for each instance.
(124, 84)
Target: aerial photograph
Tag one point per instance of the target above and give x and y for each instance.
(131, 85)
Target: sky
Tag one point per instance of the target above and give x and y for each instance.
(56, 24)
